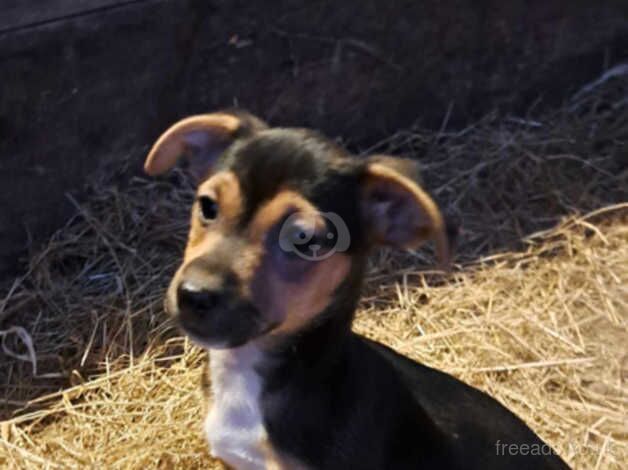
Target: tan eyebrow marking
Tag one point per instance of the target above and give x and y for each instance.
(225, 188)
(271, 212)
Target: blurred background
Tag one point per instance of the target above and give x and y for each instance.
(87, 85)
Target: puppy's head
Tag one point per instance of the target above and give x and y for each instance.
(281, 225)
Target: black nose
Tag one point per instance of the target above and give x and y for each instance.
(195, 304)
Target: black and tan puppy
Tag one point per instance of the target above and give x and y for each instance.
(281, 228)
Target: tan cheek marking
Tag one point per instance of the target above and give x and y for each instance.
(289, 303)
(271, 212)
(301, 302)
(246, 265)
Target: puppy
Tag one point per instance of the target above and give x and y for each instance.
(280, 232)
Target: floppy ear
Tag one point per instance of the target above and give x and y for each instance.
(406, 166)
(201, 139)
(398, 212)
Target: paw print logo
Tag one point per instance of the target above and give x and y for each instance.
(304, 237)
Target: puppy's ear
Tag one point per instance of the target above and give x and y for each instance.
(201, 139)
(406, 166)
(397, 211)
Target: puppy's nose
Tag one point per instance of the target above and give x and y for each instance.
(194, 303)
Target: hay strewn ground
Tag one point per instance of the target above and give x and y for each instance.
(543, 330)
(538, 321)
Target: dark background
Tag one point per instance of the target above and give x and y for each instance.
(88, 85)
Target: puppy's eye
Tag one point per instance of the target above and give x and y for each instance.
(208, 208)
(300, 236)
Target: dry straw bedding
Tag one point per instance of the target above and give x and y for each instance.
(542, 330)
(95, 375)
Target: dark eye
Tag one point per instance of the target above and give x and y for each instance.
(209, 208)
(299, 236)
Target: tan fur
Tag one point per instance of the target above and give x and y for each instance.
(407, 167)
(381, 176)
(301, 302)
(277, 461)
(224, 188)
(171, 144)
(272, 212)
(292, 304)
(295, 304)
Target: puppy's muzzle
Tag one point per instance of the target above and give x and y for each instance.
(209, 307)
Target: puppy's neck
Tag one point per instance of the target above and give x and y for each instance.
(314, 351)
(225, 362)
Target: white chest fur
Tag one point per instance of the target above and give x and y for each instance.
(234, 425)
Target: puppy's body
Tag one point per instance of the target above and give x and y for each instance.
(293, 386)
(359, 413)
(368, 408)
